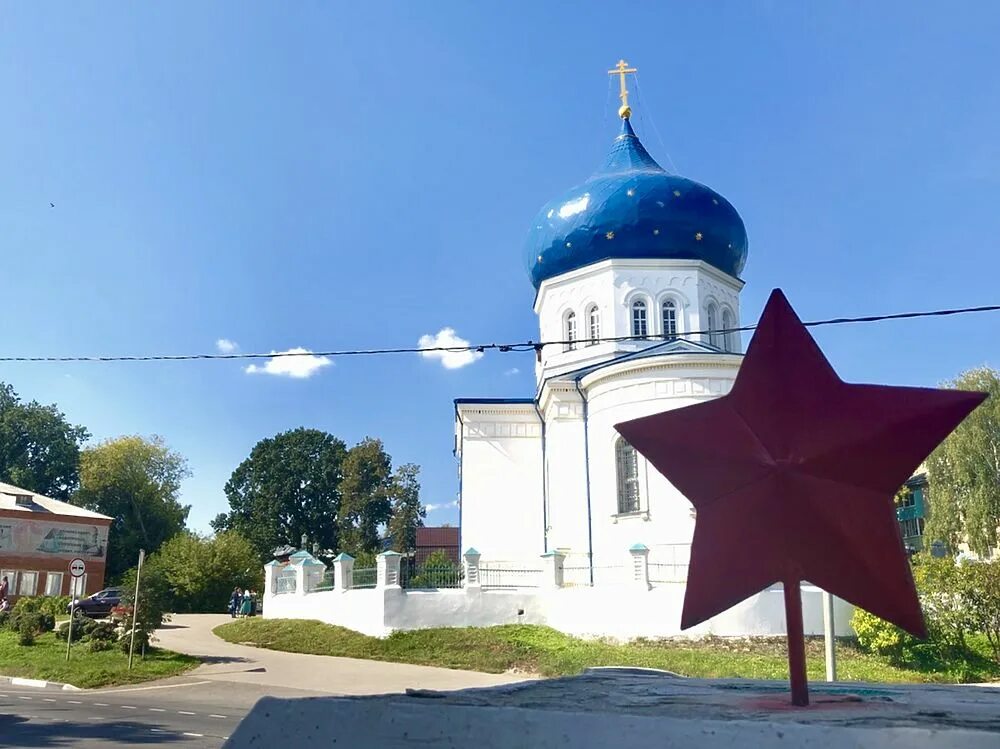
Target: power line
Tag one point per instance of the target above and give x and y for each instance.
(500, 347)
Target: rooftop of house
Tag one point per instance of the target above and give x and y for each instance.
(22, 500)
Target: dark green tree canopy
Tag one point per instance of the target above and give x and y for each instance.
(289, 488)
(136, 481)
(407, 512)
(39, 448)
(964, 473)
(306, 488)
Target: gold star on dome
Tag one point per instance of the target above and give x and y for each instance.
(656, 231)
(677, 193)
(698, 236)
(714, 201)
(630, 192)
(539, 258)
(609, 235)
(659, 203)
(569, 244)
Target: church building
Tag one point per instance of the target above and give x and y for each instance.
(637, 280)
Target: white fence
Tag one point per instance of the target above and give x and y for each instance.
(640, 595)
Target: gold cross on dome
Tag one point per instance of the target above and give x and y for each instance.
(621, 69)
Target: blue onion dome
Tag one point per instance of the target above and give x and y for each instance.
(633, 208)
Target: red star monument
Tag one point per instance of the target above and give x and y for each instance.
(793, 475)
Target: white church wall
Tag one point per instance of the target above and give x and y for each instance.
(641, 389)
(501, 454)
(621, 612)
(567, 480)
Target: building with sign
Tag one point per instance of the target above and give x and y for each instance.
(40, 536)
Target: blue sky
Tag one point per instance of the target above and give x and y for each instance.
(331, 176)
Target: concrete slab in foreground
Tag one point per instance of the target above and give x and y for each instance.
(622, 707)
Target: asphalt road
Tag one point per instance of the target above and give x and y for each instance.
(187, 712)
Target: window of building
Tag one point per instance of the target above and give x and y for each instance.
(669, 320)
(28, 584)
(906, 499)
(570, 339)
(640, 324)
(11, 576)
(912, 528)
(729, 335)
(627, 469)
(594, 318)
(712, 320)
(53, 583)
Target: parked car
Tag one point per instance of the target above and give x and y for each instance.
(99, 603)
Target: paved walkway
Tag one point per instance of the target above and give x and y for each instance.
(226, 662)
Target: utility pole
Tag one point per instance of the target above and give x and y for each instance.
(135, 606)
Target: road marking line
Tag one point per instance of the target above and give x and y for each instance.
(198, 735)
(161, 686)
(49, 699)
(127, 707)
(22, 697)
(213, 715)
(185, 712)
(73, 702)
(157, 709)
(95, 717)
(101, 704)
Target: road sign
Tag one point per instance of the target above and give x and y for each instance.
(77, 568)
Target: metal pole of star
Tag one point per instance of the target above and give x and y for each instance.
(796, 642)
(829, 632)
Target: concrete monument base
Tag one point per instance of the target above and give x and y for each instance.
(634, 707)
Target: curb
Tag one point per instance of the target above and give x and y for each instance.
(16, 681)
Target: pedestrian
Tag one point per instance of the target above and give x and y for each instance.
(253, 602)
(235, 599)
(245, 604)
(4, 586)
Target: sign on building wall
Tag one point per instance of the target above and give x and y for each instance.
(42, 538)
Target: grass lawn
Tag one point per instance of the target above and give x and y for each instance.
(545, 651)
(46, 659)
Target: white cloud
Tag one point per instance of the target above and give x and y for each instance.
(225, 346)
(445, 506)
(512, 371)
(446, 338)
(301, 364)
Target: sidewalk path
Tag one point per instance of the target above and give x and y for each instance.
(226, 662)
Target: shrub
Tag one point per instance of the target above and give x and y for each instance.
(879, 636)
(95, 646)
(982, 599)
(82, 628)
(28, 624)
(4, 618)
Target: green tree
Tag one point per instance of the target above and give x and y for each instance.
(365, 504)
(135, 481)
(202, 572)
(407, 512)
(288, 488)
(964, 473)
(39, 448)
(154, 603)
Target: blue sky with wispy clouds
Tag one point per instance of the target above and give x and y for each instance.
(264, 177)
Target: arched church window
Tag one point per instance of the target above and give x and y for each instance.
(669, 319)
(712, 318)
(640, 324)
(627, 471)
(730, 336)
(569, 343)
(594, 318)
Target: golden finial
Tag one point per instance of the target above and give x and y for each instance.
(624, 111)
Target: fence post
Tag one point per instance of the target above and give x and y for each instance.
(301, 578)
(470, 560)
(387, 569)
(343, 571)
(270, 574)
(312, 574)
(552, 569)
(640, 565)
